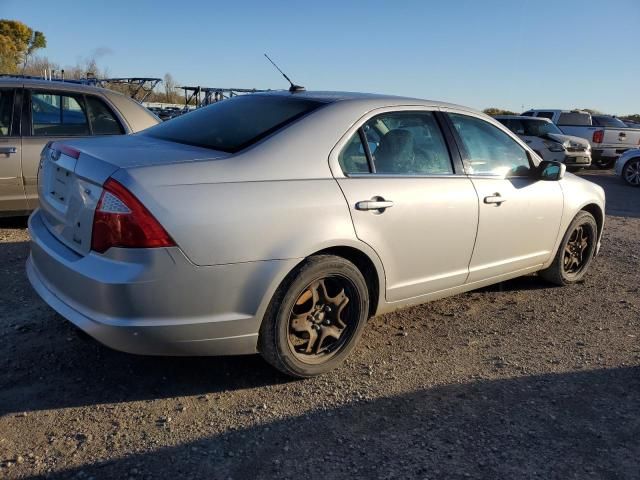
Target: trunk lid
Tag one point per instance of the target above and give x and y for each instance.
(71, 175)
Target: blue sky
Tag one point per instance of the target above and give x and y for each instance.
(509, 54)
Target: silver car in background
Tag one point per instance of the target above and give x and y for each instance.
(34, 112)
(280, 222)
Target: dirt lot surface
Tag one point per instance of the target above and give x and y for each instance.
(519, 380)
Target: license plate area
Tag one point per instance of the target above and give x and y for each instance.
(59, 186)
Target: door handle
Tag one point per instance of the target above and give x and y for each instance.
(496, 198)
(8, 150)
(377, 203)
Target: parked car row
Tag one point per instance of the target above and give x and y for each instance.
(609, 136)
(167, 113)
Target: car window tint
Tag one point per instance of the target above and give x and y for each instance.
(548, 115)
(489, 151)
(236, 123)
(58, 115)
(574, 118)
(6, 112)
(353, 158)
(103, 121)
(408, 143)
(515, 125)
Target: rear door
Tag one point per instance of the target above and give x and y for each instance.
(519, 215)
(57, 114)
(409, 200)
(12, 196)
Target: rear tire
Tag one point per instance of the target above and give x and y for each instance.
(603, 162)
(315, 318)
(575, 252)
(631, 172)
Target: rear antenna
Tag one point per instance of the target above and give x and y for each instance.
(293, 88)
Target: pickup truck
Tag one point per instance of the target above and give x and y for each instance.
(609, 136)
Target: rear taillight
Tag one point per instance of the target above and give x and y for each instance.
(598, 136)
(66, 149)
(121, 220)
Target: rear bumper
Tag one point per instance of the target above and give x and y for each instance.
(154, 301)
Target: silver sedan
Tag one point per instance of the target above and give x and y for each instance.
(279, 223)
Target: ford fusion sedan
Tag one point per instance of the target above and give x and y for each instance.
(34, 112)
(548, 141)
(280, 222)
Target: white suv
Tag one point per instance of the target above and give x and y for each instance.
(548, 141)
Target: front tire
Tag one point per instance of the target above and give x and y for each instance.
(631, 172)
(315, 318)
(575, 252)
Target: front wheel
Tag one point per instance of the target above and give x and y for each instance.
(631, 172)
(315, 317)
(575, 252)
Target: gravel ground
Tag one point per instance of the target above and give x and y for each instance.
(519, 380)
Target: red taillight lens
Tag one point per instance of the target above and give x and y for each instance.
(66, 149)
(121, 220)
(598, 136)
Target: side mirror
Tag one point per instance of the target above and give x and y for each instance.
(551, 171)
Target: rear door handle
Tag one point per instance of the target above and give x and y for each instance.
(8, 150)
(496, 198)
(380, 204)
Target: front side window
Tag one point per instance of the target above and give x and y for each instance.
(103, 121)
(6, 112)
(488, 150)
(234, 124)
(58, 115)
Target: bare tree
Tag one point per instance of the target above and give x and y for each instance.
(170, 88)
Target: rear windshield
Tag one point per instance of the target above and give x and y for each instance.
(606, 121)
(234, 124)
(574, 118)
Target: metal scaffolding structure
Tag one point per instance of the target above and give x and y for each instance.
(203, 96)
(138, 88)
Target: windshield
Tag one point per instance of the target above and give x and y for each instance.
(537, 128)
(234, 124)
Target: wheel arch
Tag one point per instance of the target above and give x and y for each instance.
(595, 210)
(367, 267)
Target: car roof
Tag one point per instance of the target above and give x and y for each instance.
(57, 84)
(338, 96)
(521, 117)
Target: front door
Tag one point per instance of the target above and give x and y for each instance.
(408, 203)
(12, 196)
(519, 215)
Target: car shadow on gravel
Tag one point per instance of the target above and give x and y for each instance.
(14, 222)
(582, 424)
(529, 282)
(84, 373)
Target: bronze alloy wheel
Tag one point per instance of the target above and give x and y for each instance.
(577, 250)
(323, 319)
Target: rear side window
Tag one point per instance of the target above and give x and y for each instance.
(6, 112)
(58, 115)
(400, 143)
(231, 125)
(574, 118)
(548, 115)
(103, 121)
